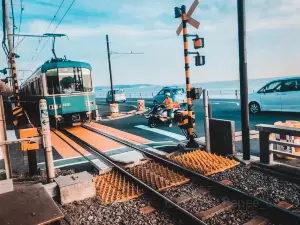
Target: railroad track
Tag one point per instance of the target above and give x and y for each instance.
(170, 181)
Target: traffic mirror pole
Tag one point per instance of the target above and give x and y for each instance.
(243, 78)
(44, 117)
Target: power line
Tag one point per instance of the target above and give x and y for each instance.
(53, 18)
(62, 2)
(20, 21)
(57, 26)
(37, 47)
(13, 20)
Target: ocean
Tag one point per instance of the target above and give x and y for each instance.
(216, 90)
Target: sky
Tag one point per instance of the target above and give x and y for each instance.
(148, 27)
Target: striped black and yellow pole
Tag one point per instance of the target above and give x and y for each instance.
(191, 143)
(17, 108)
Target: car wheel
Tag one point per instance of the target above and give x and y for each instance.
(254, 108)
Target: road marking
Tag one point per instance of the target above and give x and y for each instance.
(163, 132)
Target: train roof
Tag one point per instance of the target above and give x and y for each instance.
(64, 64)
(52, 64)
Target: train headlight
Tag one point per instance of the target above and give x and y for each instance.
(89, 103)
(55, 106)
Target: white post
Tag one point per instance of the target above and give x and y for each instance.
(47, 139)
(206, 120)
(3, 137)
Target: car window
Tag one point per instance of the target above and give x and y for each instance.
(290, 85)
(272, 87)
(166, 91)
(118, 91)
(161, 92)
(177, 91)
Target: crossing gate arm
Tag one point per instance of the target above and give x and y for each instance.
(34, 140)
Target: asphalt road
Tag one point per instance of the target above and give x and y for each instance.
(221, 109)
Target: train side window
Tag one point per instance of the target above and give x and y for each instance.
(52, 81)
(33, 90)
(38, 84)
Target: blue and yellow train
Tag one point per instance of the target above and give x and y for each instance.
(68, 88)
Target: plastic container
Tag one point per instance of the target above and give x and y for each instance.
(114, 109)
(141, 105)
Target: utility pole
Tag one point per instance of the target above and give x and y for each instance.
(243, 78)
(17, 109)
(110, 74)
(109, 64)
(8, 31)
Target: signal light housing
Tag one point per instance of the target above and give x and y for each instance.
(198, 43)
(177, 12)
(196, 93)
(199, 60)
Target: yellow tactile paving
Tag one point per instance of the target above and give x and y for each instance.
(157, 176)
(203, 162)
(114, 187)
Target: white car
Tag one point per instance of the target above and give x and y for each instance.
(281, 95)
(118, 94)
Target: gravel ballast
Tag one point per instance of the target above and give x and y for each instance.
(262, 185)
(93, 211)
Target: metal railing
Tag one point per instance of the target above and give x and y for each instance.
(234, 94)
(267, 141)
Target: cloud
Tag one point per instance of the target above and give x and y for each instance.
(76, 31)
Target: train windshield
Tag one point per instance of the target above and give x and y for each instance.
(69, 80)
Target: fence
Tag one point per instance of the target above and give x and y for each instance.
(266, 141)
(232, 94)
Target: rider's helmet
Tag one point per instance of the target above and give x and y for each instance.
(168, 94)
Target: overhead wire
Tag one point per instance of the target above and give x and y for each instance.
(57, 26)
(13, 20)
(4, 46)
(52, 20)
(20, 22)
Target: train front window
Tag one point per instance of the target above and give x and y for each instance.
(69, 80)
(73, 80)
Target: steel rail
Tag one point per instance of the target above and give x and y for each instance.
(190, 217)
(277, 213)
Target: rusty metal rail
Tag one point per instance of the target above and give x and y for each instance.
(275, 212)
(189, 217)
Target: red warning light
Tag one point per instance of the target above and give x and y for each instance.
(198, 42)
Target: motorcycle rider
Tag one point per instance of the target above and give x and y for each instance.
(168, 102)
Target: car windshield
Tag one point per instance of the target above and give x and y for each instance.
(69, 80)
(117, 92)
(177, 91)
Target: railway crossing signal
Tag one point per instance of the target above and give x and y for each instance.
(199, 61)
(189, 19)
